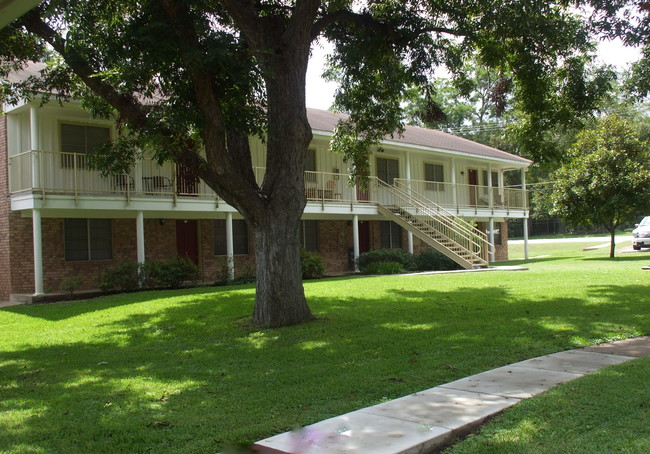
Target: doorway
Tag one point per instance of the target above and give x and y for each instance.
(187, 241)
(472, 179)
(186, 181)
(364, 236)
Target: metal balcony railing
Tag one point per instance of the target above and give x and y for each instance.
(50, 172)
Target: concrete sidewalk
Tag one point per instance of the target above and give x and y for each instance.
(429, 420)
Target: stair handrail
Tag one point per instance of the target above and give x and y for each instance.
(438, 208)
(449, 223)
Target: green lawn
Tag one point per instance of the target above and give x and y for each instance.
(183, 371)
(605, 412)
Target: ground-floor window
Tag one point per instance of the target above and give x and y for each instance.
(309, 235)
(391, 235)
(498, 228)
(87, 239)
(239, 237)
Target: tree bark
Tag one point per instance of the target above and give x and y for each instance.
(280, 298)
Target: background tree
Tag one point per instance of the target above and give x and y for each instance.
(192, 80)
(606, 180)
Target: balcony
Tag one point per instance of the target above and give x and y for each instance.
(53, 173)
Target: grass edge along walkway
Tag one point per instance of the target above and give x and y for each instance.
(430, 420)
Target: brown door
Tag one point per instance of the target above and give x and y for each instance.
(186, 180)
(472, 177)
(187, 241)
(364, 236)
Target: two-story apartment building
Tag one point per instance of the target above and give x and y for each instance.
(60, 217)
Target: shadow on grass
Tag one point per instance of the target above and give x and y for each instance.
(538, 260)
(192, 377)
(59, 310)
(619, 258)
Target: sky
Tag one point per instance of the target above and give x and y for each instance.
(320, 94)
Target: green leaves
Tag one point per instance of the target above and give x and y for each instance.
(606, 179)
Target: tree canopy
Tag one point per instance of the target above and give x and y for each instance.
(192, 80)
(606, 180)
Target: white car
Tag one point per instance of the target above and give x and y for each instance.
(641, 235)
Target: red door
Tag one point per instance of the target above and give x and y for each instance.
(187, 242)
(472, 176)
(186, 180)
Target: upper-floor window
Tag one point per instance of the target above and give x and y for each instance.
(387, 169)
(87, 239)
(495, 179)
(310, 164)
(239, 237)
(81, 140)
(436, 174)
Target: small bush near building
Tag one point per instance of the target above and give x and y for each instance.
(128, 276)
(124, 277)
(384, 261)
(385, 268)
(170, 274)
(70, 284)
(312, 265)
(432, 260)
(385, 255)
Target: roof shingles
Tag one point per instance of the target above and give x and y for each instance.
(323, 120)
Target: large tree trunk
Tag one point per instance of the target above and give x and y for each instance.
(280, 299)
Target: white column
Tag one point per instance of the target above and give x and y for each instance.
(523, 187)
(35, 145)
(491, 239)
(355, 239)
(139, 234)
(38, 251)
(230, 254)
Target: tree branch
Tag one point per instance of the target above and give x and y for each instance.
(366, 20)
(247, 18)
(126, 104)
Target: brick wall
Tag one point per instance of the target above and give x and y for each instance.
(214, 267)
(334, 241)
(501, 250)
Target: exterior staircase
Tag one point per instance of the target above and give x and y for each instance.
(444, 231)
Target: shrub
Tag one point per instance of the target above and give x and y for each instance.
(432, 260)
(385, 268)
(311, 265)
(124, 277)
(70, 284)
(246, 275)
(385, 255)
(170, 274)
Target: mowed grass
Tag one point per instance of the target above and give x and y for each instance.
(605, 412)
(184, 372)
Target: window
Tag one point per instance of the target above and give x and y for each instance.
(434, 172)
(391, 235)
(495, 179)
(87, 239)
(81, 140)
(239, 237)
(310, 164)
(309, 235)
(387, 169)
